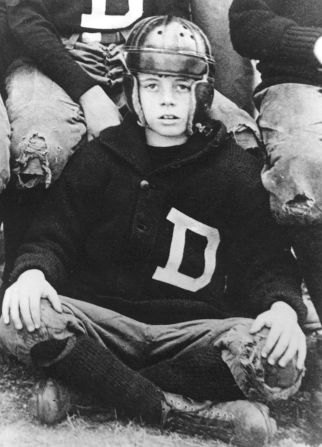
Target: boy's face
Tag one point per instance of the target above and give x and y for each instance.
(166, 102)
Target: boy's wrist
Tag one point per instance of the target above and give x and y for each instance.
(34, 272)
(281, 306)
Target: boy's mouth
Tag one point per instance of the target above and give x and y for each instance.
(169, 117)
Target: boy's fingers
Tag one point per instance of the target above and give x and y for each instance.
(34, 302)
(26, 313)
(280, 348)
(289, 353)
(258, 324)
(54, 299)
(301, 353)
(272, 338)
(14, 309)
(5, 306)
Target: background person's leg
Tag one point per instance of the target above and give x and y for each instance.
(4, 147)
(240, 125)
(46, 125)
(290, 120)
(307, 243)
(46, 129)
(4, 173)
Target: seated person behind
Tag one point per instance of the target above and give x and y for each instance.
(160, 231)
(286, 38)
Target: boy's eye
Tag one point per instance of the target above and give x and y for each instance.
(183, 87)
(153, 86)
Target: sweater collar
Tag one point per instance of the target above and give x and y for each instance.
(128, 142)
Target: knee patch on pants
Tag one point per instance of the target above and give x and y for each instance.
(255, 377)
(20, 343)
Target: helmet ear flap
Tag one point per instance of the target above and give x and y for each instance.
(204, 95)
(131, 91)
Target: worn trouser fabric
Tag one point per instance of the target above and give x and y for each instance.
(4, 147)
(290, 120)
(46, 125)
(234, 74)
(141, 346)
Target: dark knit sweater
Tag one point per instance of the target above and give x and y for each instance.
(38, 24)
(7, 48)
(103, 233)
(281, 34)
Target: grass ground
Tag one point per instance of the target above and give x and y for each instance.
(19, 429)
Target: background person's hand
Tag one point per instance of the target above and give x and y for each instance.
(99, 110)
(285, 338)
(318, 49)
(21, 303)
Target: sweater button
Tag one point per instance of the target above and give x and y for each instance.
(145, 185)
(142, 227)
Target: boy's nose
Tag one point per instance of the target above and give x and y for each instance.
(167, 97)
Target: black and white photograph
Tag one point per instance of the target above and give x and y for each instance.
(160, 223)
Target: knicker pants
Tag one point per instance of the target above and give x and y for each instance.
(290, 120)
(166, 353)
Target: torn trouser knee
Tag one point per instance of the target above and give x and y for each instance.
(255, 377)
(54, 326)
(291, 124)
(46, 125)
(31, 166)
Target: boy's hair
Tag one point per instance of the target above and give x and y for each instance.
(168, 45)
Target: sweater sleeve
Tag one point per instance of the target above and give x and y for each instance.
(54, 241)
(179, 8)
(263, 269)
(31, 26)
(3, 28)
(257, 32)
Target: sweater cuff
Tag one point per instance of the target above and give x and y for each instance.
(54, 273)
(79, 84)
(298, 44)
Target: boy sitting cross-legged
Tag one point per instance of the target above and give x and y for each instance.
(181, 283)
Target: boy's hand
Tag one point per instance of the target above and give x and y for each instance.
(285, 338)
(318, 49)
(21, 303)
(99, 110)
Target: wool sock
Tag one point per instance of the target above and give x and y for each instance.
(94, 369)
(198, 372)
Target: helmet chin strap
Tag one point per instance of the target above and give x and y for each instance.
(190, 123)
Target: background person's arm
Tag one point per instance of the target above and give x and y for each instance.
(30, 24)
(257, 32)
